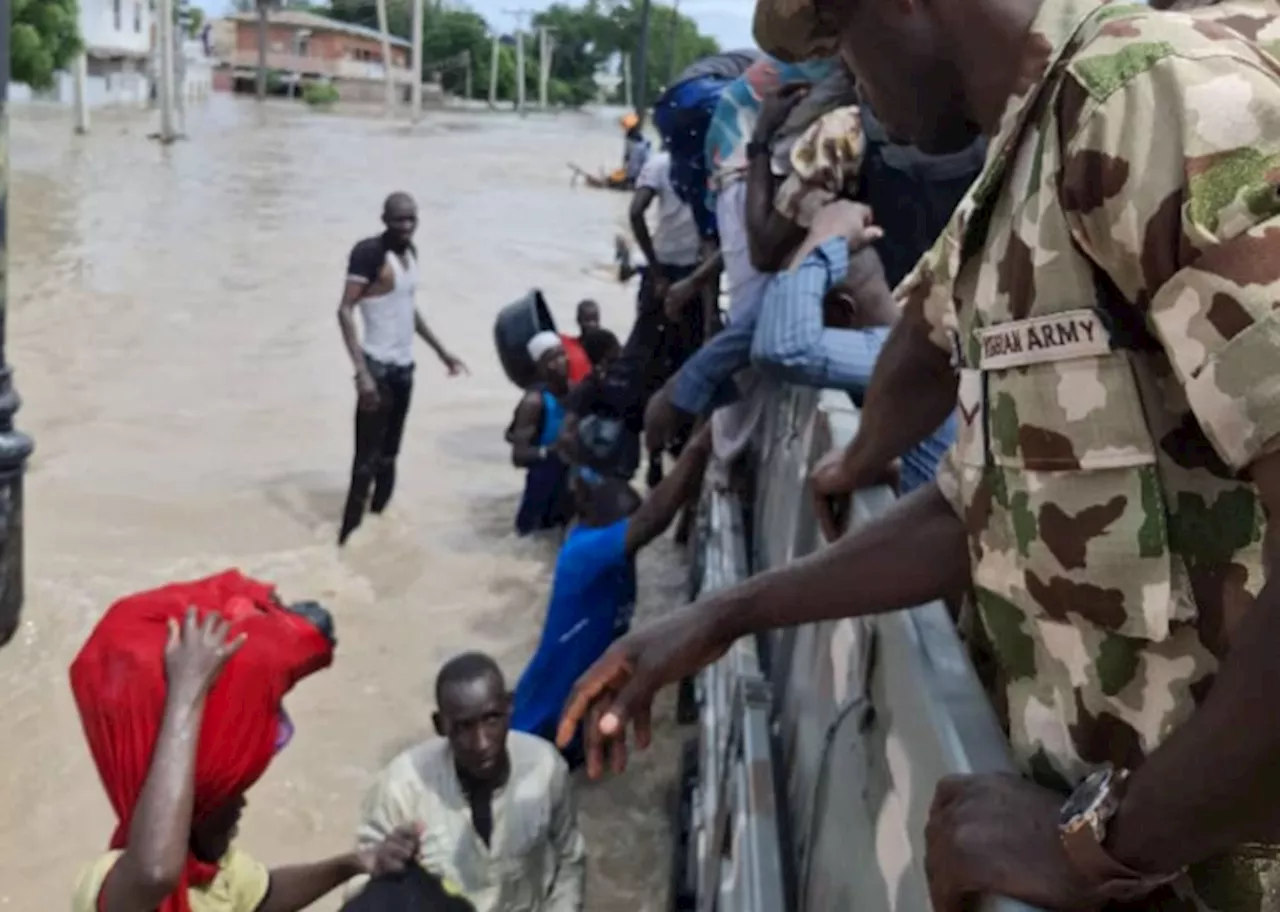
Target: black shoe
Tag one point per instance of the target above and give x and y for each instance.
(349, 525)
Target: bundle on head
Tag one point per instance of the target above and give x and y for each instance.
(414, 890)
(118, 680)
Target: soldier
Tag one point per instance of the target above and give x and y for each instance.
(1103, 302)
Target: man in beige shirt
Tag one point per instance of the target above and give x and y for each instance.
(494, 807)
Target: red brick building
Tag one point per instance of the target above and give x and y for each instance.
(303, 47)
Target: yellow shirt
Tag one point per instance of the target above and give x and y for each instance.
(240, 885)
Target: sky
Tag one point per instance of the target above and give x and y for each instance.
(728, 21)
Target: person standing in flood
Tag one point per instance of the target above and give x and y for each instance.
(382, 278)
(533, 434)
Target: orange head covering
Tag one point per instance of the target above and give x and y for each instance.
(629, 121)
(118, 681)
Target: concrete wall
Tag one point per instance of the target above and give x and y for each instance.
(865, 715)
(324, 46)
(122, 26)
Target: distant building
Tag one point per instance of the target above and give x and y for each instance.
(304, 47)
(117, 36)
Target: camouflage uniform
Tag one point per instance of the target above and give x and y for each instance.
(1106, 290)
(1253, 19)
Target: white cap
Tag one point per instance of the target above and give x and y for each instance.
(542, 343)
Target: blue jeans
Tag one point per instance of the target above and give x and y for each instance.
(920, 463)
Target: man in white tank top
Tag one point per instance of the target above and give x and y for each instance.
(382, 276)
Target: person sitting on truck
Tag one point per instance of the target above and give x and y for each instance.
(533, 433)
(593, 592)
(495, 806)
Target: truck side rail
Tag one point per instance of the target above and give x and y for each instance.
(841, 740)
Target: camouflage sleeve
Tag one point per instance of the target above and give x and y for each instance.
(1171, 183)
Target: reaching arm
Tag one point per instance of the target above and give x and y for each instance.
(640, 203)
(791, 342)
(771, 236)
(567, 891)
(1197, 240)
(150, 868)
(298, 886)
(526, 428)
(681, 484)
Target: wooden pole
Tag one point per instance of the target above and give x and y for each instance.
(82, 92)
(418, 25)
(386, 59)
(467, 57)
(493, 74)
(520, 73)
(164, 31)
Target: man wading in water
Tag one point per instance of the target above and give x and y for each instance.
(382, 276)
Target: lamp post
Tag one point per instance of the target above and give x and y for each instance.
(15, 446)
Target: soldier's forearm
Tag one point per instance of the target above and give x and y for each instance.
(1213, 784)
(874, 569)
(911, 393)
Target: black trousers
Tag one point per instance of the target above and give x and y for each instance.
(655, 341)
(378, 435)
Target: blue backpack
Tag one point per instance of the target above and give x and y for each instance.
(682, 115)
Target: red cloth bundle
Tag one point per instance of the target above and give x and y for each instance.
(118, 681)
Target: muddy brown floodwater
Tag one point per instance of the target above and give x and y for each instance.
(173, 333)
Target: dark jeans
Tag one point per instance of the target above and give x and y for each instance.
(378, 434)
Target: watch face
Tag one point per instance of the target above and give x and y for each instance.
(1086, 798)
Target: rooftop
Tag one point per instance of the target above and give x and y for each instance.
(306, 20)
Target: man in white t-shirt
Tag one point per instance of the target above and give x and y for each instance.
(671, 252)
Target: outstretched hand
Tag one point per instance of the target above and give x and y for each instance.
(197, 652)
(618, 689)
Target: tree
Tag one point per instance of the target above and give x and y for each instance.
(44, 38)
(195, 21)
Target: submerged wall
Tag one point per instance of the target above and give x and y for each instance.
(819, 747)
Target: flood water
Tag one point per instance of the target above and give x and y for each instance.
(173, 334)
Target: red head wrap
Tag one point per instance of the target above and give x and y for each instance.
(118, 681)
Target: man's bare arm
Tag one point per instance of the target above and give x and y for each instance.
(524, 432)
(640, 202)
(675, 490)
(352, 292)
(911, 393)
(771, 236)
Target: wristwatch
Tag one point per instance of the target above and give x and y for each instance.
(756, 148)
(1083, 826)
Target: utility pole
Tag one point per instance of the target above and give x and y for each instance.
(15, 446)
(466, 56)
(82, 92)
(641, 74)
(386, 59)
(671, 42)
(545, 42)
(520, 15)
(262, 48)
(493, 74)
(418, 25)
(626, 80)
(164, 32)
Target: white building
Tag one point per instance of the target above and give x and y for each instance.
(118, 41)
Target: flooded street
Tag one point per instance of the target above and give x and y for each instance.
(173, 334)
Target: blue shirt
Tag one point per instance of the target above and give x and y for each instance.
(593, 596)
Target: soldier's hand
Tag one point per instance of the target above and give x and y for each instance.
(997, 834)
(618, 689)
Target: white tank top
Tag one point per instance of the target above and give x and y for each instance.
(388, 318)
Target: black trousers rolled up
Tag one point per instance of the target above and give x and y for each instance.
(378, 432)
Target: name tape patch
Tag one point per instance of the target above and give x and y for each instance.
(1039, 340)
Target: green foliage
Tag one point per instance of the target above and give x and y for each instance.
(195, 21)
(586, 38)
(44, 38)
(320, 94)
